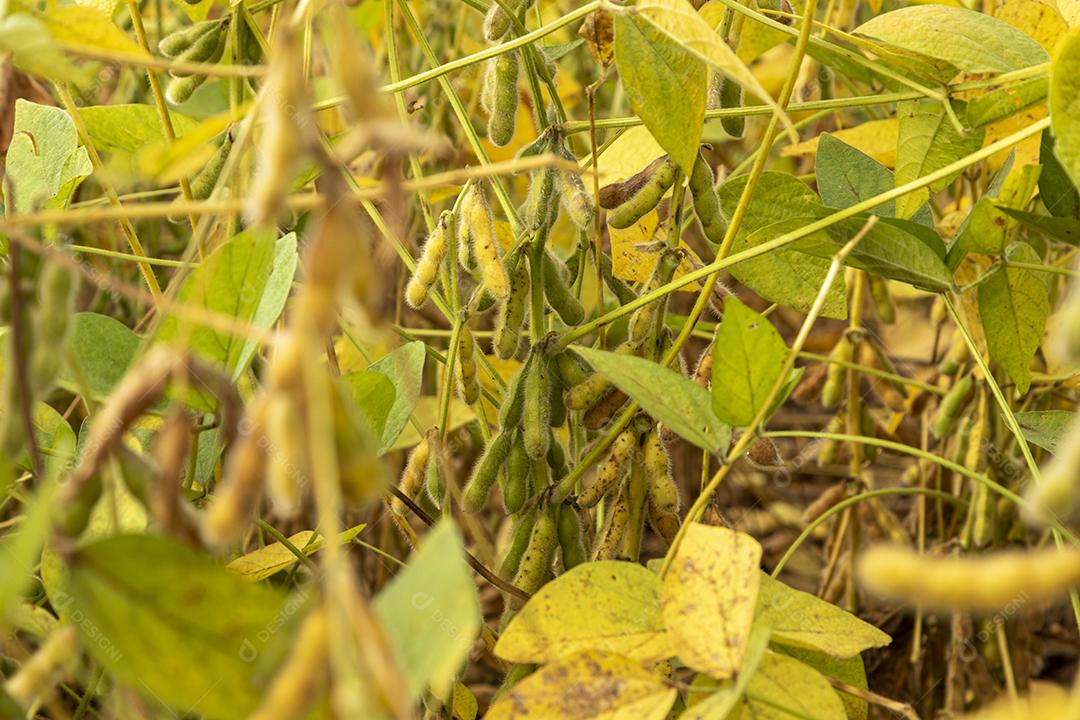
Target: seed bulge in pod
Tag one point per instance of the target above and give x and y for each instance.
(511, 316)
(558, 291)
(571, 537)
(706, 203)
(504, 99)
(631, 199)
(485, 246)
(427, 267)
(536, 410)
(486, 471)
(516, 487)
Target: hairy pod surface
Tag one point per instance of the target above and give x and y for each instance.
(474, 496)
(427, 267)
(731, 97)
(412, 476)
(504, 99)
(510, 319)
(706, 202)
(611, 472)
(951, 406)
(485, 246)
(558, 291)
(536, 410)
(571, 537)
(516, 488)
(536, 562)
(631, 199)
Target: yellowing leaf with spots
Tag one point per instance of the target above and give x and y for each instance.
(608, 605)
(589, 686)
(709, 596)
(1037, 19)
(876, 138)
(630, 262)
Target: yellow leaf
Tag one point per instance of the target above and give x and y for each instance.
(1027, 151)
(876, 138)
(608, 605)
(426, 413)
(634, 149)
(1045, 700)
(1070, 11)
(628, 262)
(465, 706)
(1037, 19)
(709, 596)
(88, 28)
(270, 559)
(589, 686)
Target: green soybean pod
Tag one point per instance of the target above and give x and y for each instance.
(514, 400)
(576, 200)
(515, 489)
(541, 206)
(633, 198)
(203, 183)
(496, 23)
(623, 292)
(468, 386)
(643, 320)
(434, 475)
(180, 89)
(536, 409)
(557, 414)
(706, 203)
(556, 459)
(177, 42)
(571, 537)
(557, 290)
(504, 99)
(731, 97)
(951, 405)
(486, 472)
(519, 540)
(204, 49)
(511, 316)
(536, 562)
(71, 518)
(572, 369)
(833, 390)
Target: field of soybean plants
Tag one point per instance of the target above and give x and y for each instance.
(540, 359)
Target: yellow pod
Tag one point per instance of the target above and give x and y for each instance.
(427, 267)
(287, 467)
(614, 530)
(295, 686)
(485, 247)
(412, 477)
(613, 469)
(663, 492)
(536, 562)
(975, 583)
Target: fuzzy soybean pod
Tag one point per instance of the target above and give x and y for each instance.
(833, 390)
(286, 457)
(536, 407)
(556, 459)
(706, 203)
(883, 302)
(435, 471)
(603, 410)
(56, 296)
(572, 369)
(951, 406)
(514, 399)
(571, 537)
(541, 206)
(556, 399)
(519, 540)
(515, 488)
(496, 23)
(486, 471)
(180, 89)
(177, 42)
(576, 200)
(463, 219)
(663, 493)
(623, 292)
(206, 48)
(511, 315)
(731, 97)
(536, 562)
(558, 291)
(958, 355)
(629, 200)
(427, 267)
(644, 319)
(976, 583)
(611, 536)
(611, 472)
(202, 185)
(485, 246)
(412, 477)
(504, 99)
(468, 386)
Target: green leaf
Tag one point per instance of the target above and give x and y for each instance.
(719, 704)
(271, 559)
(987, 229)
(1056, 189)
(678, 402)
(971, 41)
(848, 670)
(130, 127)
(176, 626)
(680, 21)
(404, 368)
(431, 612)
(1045, 428)
(783, 276)
(45, 161)
(246, 278)
(1014, 306)
(374, 395)
(607, 605)
(801, 620)
(748, 358)
(664, 83)
(1004, 102)
(708, 598)
(847, 176)
(927, 142)
(1062, 229)
(589, 685)
(103, 349)
(1065, 103)
(784, 688)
